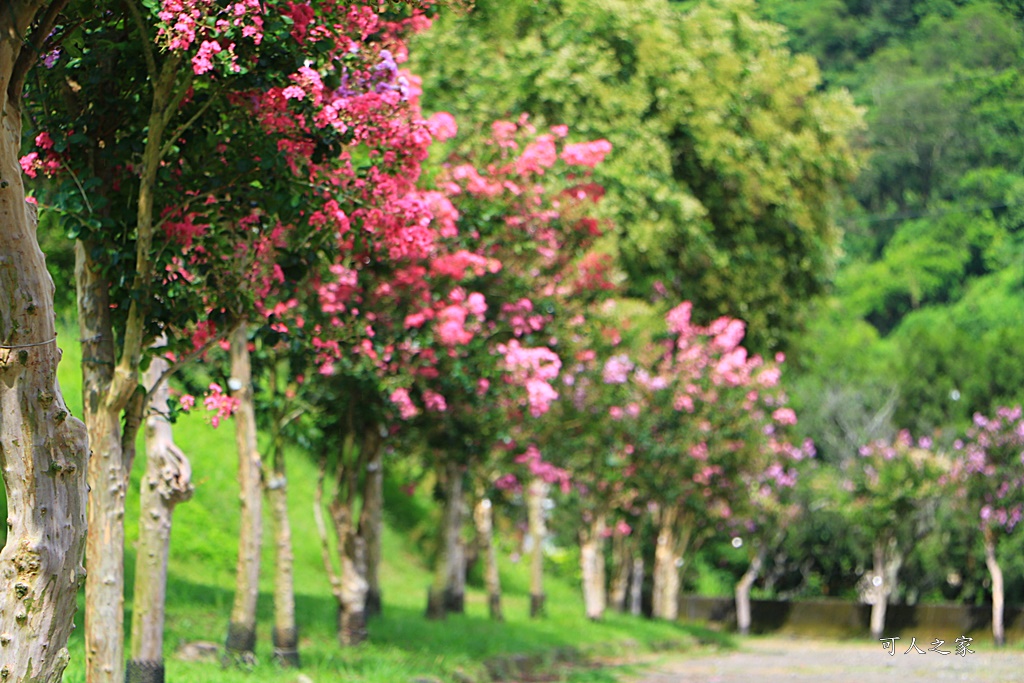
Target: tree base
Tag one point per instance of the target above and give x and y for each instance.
(139, 671)
(286, 647)
(351, 627)
(494, 604)
(435, 605)
(374, 606)
(240, 647)
(537, 605)
(454, 602)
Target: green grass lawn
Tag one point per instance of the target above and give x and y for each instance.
(403, 644)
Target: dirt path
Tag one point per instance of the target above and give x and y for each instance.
(816, 661)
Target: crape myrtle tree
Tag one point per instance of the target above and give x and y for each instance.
(987, 474)
(894, 487)
(730, 154)
(169, 185)
(522, 199)
(43, 450)
(705, 416)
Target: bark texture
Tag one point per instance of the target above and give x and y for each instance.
(536, 493)
(483, 516)
(998, 594)
(887, 563)
(241, 640)
(592, 567)
(441, 597)
(167, 482)
(43, 450)
(673, 538)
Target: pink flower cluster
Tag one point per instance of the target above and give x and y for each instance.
(544, 470)
(532, 368)
(220, 404)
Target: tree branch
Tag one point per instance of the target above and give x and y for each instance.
(147, 49)
(30, 51)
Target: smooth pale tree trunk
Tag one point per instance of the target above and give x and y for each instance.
(887, 563)
(43, 450)
(440, 598)
(673, 538)
(241, 641)
(483, 516)
(371, 528)
(285, 635)
(622, 564)
(167, 482)
(536, 493)
(998, 596)
(742, 591)
(592, 567)
(636, 586)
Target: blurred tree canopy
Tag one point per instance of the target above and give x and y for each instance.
(727, 151)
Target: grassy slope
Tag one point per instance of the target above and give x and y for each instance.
(403, 644)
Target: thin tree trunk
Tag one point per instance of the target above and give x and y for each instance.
(536, 493)
(43, 450)
(592, 567)
(882, 590)
(622, 562)
(483, 515)
(241, 640)
(371, 528)
(109, 467)
(440, 598)
(636, 586)
(285, 635)
(998, 597)
(166, 483)
(743, 591)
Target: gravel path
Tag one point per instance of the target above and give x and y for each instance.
(816, 661)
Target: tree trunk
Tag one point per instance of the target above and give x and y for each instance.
(43, 450)
(668, 556)
(441, 598)
(483, 515)
(536, 493)
(109, 467)
(166, 483)
(998, 634)
(887, 563)
(371, 528)
(743, 591)
(622, 562)
(241, 640)
(353, 585)
(285, 635)
(592, 567)
(636, 586)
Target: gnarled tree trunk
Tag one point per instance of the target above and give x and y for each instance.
(536, 493)
(998, 596)
(241, 640)
(592, 567)
(483, 515)
(440, 598)
(43, 450)
(166, 483)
